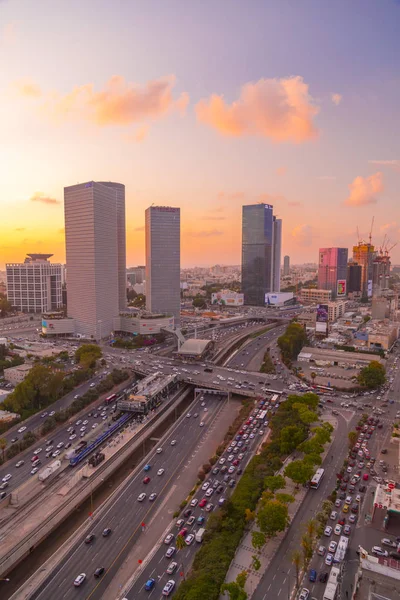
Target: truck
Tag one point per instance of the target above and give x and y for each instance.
(199, 535)
(49, 470)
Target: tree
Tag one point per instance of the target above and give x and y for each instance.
(311, 528)
(139, 301)
(284, 498)
(292, 341)
(352, 437)
(299, 471)
(272, 517)
(307, 546)
(255, 563)
(87, 354)
(274, 483)
(258, 539)
(296, 560)
(3, 446)
(372, 376)
(290, 437)
(5, 306)
(241, 579)
(313, 459)
(234, 591)
(199, 302)
(313, 376)
(180, 542)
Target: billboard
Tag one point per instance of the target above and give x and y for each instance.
(369, 288)
(322, 313)
(341, 287)
(227, 298)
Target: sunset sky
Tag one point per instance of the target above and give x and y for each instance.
(207, 106)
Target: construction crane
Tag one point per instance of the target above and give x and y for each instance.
(370, 232)
(387, 250)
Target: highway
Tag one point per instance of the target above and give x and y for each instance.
(155, 568)
(125, 513)
(244, 356)
(61, 435)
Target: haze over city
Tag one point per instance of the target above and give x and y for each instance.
(207, 107)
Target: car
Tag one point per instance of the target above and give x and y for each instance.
(203, 502)
(106, 531)
(205, 485)
(332, 546)
(99, 572)
(188, 416)
(194, 502)
(304, 594)
(179, 523)
(85, 422)
(168, 587)
(80, 579)
(160, 471)
(333, 515)
(89, 538)
(347, 530)
(210, 505)
(22, 429)
(312, 576)
(170, 552)
(352, 518)
(215, 470)
(200, 520)
(171, 568)
(34, 470)
(190, 520)
(187, 513)
(222, 460)
(378, 551)
(328, 531)
(321, 550)
(147, 468)
(329, 559)
(150, 583)
(152, 497)
(231, 469)
(388, 542)
(323, 577)
(141, 497)
(146, 480)
(92, 385)
(3, 485)
(7, 477)
(189, 538)
(78, 422)
(173, 442)
(60, 445)
(159, 450)
(349, 499)
(19, 464)
(56, 453)
(13, 440)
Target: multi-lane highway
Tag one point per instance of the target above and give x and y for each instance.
(192, 519)
(126, 513)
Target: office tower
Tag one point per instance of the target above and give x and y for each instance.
(353, 277)
(34, 286)
(380, 274)
(136, 274)
(261, 247)
(332, 270)
(286, 266)
(95, 252)
(364, 254)
(163, 260)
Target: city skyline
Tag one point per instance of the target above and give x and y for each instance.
(311, 130)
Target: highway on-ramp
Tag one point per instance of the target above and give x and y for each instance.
(125, 514)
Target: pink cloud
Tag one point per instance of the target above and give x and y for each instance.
(28, 88)
(137, 136)
(278, 109)
(336, 99)
(40, 197)
(392, 164)
(118, 103)
(364, 190)
(281, 171)
(303, 235)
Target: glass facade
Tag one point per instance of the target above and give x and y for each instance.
(258, 229)
(332, 267)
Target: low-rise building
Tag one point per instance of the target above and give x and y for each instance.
(17, 374)
(336, 357)
(382, 334)
(336, 310)
(143, 324)
(315, 296)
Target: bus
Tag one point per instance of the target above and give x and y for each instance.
(317, 478)
(332, 585)
(110, 399)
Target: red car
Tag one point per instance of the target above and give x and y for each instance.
(183, 532)
(365, 476)
(203, 502)
(146, 480)
(235, 462)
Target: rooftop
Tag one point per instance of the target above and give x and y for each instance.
(337, 355)
(194, 346)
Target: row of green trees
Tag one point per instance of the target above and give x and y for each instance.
(7, 360)
(115, 378)
(267, 364)
(291, 342)
(290, 426)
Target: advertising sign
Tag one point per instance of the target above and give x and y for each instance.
(341, 287)
(322, 313)
(369, 289)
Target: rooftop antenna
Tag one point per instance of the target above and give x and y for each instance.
(370, 232)
(358, 235)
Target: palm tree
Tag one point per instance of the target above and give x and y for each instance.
(311, 528)
(180, 542)
(296, 560)
(313, 376)
(3, 445)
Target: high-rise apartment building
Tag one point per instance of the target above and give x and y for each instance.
(35, 286)
(163, 260)
(286, 266)
(364, 254)
(380, 274)
(95, 252)
(332, 269)
(353, 277)
(261, 253)
(136, 274)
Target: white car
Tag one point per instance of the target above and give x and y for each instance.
(188, 416)
(34, 470)
(19, 464)
(160, 471)
(52, 413)
(159, 450)
(94, 425)
(209, 492)
(305, 594)
(72, 437)
(194, 502)
(332, 546)
(222, 460)
(78, 422)
(60, 445)
(328, 531)
(173, 442)
(201, 424)
(83, 428)
(38, 451)
(80, 579)
(6, 477)
(379, 551)
(141, 497)
(205, 485)
(56, 453)
(338, 529)
(85, 422)
(92, 385)
(168, 539)
(22, 429)
(329, 559)
(189, 539)
(333, 515)
(168, 587)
